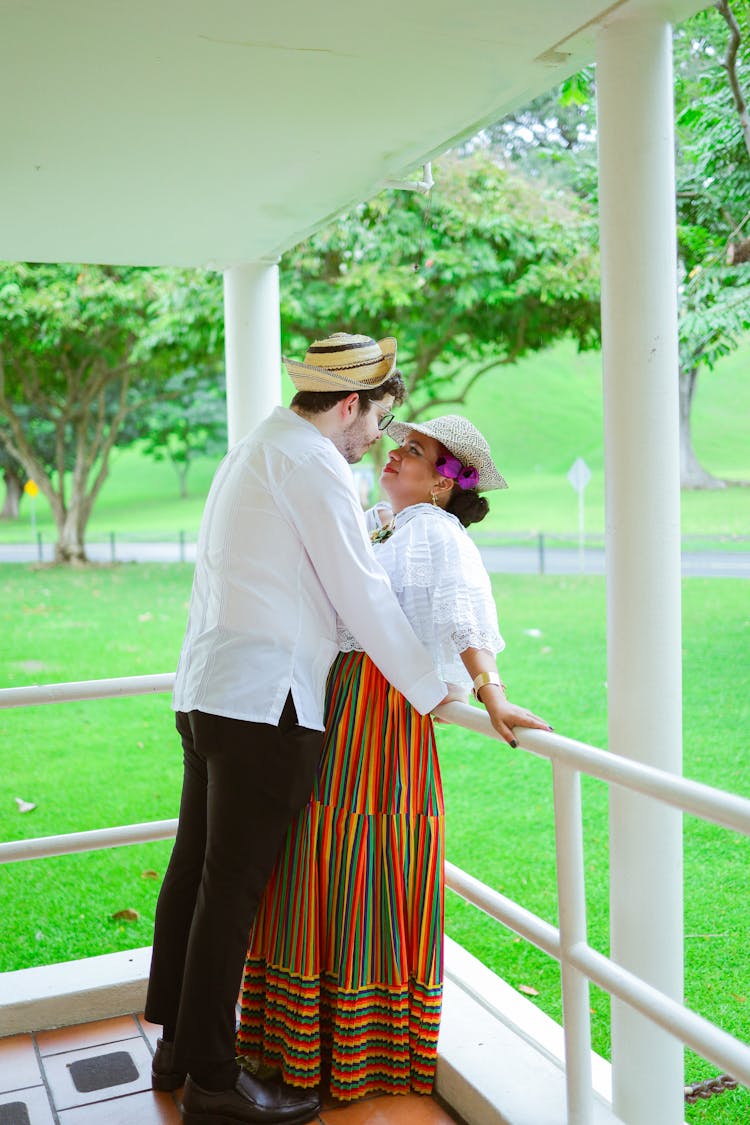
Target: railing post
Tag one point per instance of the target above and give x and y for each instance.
(572, 911)
(541, 552)
(182, 546)
(39, 551)
(112, 551)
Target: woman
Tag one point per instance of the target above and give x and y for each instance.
(343, 979)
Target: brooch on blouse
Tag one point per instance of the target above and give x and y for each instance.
(382, 534)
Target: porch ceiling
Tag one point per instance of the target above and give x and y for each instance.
(187, 132)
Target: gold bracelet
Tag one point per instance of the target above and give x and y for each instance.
(483, 679)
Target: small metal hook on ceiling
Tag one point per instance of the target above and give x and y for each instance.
(423, 186)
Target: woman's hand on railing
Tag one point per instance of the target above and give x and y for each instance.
(505, 715)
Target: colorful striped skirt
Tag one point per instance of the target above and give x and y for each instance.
(343, 980)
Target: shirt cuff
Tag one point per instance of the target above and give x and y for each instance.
(426, 693)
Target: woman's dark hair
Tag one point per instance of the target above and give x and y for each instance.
(468, 507)
(317, 402)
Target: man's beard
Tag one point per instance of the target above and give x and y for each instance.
(352, 445)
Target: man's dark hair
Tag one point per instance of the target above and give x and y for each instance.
(316, 402)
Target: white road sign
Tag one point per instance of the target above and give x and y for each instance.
(579, 474)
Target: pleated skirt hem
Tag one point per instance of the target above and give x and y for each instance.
(382, 1039)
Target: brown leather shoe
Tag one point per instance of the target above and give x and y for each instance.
(249, 1101)
(163, 1073)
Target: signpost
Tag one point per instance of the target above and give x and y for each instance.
(579, 475)
(31, 488)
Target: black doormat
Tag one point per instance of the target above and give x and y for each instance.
(14, 1113)
(102, 1072)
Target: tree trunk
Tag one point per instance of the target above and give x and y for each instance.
(70, 547)
(692, 473)
(738, 252)
(13, 494)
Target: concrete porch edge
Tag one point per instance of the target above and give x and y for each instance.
(500, 1058)
(73, 992)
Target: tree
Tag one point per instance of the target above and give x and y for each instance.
(40, 434)
(190, 426)
(712, 60)
(83, 348)
(491, 266)
(554, 138)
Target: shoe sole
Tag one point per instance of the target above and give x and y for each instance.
(189, 1118)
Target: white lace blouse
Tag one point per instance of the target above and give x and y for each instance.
(438, 576)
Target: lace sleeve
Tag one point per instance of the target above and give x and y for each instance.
(346, 641)
(441, 583)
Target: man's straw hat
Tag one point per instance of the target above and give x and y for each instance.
(344, 362)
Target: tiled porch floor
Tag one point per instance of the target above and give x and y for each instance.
(100, 1074)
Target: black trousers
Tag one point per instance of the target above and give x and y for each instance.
(243, 784)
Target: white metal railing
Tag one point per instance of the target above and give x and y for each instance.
(43, 847)
(86, 689)
(580, 963)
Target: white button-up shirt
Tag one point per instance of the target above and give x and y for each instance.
(282, 549)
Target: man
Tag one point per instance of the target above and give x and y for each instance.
(282, 550)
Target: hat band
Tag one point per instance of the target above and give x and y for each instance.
(378, 361)
(322, 349)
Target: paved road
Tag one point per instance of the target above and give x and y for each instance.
(103, 552)
(565, 560)
(498, 560)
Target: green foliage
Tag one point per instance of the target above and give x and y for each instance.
(83, 349)
(554, 136)
(189, 427)
(186, 317)
(715, 314)
(712, 158)
(713, 189)
(554, 139)
(487, 269)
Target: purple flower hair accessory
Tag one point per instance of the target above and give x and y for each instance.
(465, 476)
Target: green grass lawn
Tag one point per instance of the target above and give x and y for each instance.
(101, 763)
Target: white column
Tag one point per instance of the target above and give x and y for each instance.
(252, 328)
(641, 420)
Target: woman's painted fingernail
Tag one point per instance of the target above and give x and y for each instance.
(513, 743)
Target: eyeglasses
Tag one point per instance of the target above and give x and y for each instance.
(385, 420)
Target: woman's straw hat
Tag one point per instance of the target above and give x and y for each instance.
(343, 362)
(460, 438)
